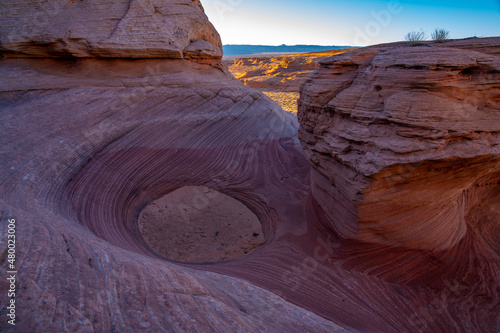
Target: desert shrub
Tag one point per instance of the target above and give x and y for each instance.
(415, 36)
(440, 35)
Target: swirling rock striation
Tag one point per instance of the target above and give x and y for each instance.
(90, 139)
(91, 133)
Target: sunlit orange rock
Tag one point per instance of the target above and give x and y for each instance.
(405, 140)
(278, 73)
(96, 129)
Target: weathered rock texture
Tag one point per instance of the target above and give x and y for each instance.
(107, 29)
(404, 139)
(88, 142)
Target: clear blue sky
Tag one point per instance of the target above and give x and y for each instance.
(355, 22)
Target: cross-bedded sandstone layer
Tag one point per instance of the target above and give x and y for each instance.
(405, 137)
(92, 132)
(88, 142)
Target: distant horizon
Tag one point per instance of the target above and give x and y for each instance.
(285, 45)
(346, 46)
(253, 49)
(355, 23)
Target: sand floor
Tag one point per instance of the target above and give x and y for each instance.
(196, 224)
(287, 100)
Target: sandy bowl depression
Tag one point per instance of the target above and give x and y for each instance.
(196, 224)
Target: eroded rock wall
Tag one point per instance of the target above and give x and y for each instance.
(107, 29)
(93, 129)
(401, 137)
(89, 139)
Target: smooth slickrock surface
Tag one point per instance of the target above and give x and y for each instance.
(87, 143)
(79, 136)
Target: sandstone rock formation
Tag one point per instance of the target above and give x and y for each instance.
(107, 29)
(405, 146)
(406, 138)
(89, 140)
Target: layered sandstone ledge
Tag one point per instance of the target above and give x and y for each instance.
(107, 29)
(405, 140)
(89, 141)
